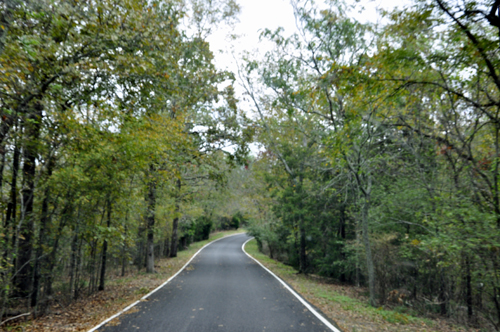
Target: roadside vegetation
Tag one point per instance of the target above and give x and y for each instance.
(347, 305)
(113, 124)
(380, 148)
(121, 291)
(379, 145)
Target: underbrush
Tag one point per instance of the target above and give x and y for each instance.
(120, 292)
(348, 305)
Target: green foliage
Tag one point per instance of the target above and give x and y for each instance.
(202, 228)
(384, 154)
(238, 220)
(103, 99)
(379, 162)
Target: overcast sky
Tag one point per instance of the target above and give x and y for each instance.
(257, 15)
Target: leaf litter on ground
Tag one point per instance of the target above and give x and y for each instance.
(347, 305)
(89, 311)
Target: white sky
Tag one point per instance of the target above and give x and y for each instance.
(257, 15)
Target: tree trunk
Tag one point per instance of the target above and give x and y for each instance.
(366, 241)
(124, 248)
(442, 296)
(72, 262)
(8, 255)
(302, 231)
(166, 247)
(44, 220)
(150, 221)
(7, 122)
(51, 262)
(66, 215)
(342, 234)
(140, 261)
(105, 252)
(2, 167)
(102, 276)
(12, 205)
(30, 150)
(38, 255)
(468, 283)
(302, 248)
(175, 225)
(94, 268)
(124, 261)
(78, 261)
(496, 193)
(175, 238)
(358, 259)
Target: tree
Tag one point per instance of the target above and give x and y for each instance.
(312, 74)
(445, 79)
(94, 97)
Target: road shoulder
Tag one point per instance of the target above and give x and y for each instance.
(120, 293)
(346, 305)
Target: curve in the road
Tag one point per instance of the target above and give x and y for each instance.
(221, 288)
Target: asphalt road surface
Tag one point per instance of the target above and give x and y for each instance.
(222, 289)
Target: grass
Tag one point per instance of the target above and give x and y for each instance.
(347, 305)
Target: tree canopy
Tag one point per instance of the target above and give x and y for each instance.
(382, 146)
(121, 141)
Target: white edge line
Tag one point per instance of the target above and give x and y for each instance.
(307, 305)
(157, 288)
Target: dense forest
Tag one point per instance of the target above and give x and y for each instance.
(121, 141)
(113, 126)
(381, 162)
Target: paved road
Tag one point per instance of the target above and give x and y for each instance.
(221, 290)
